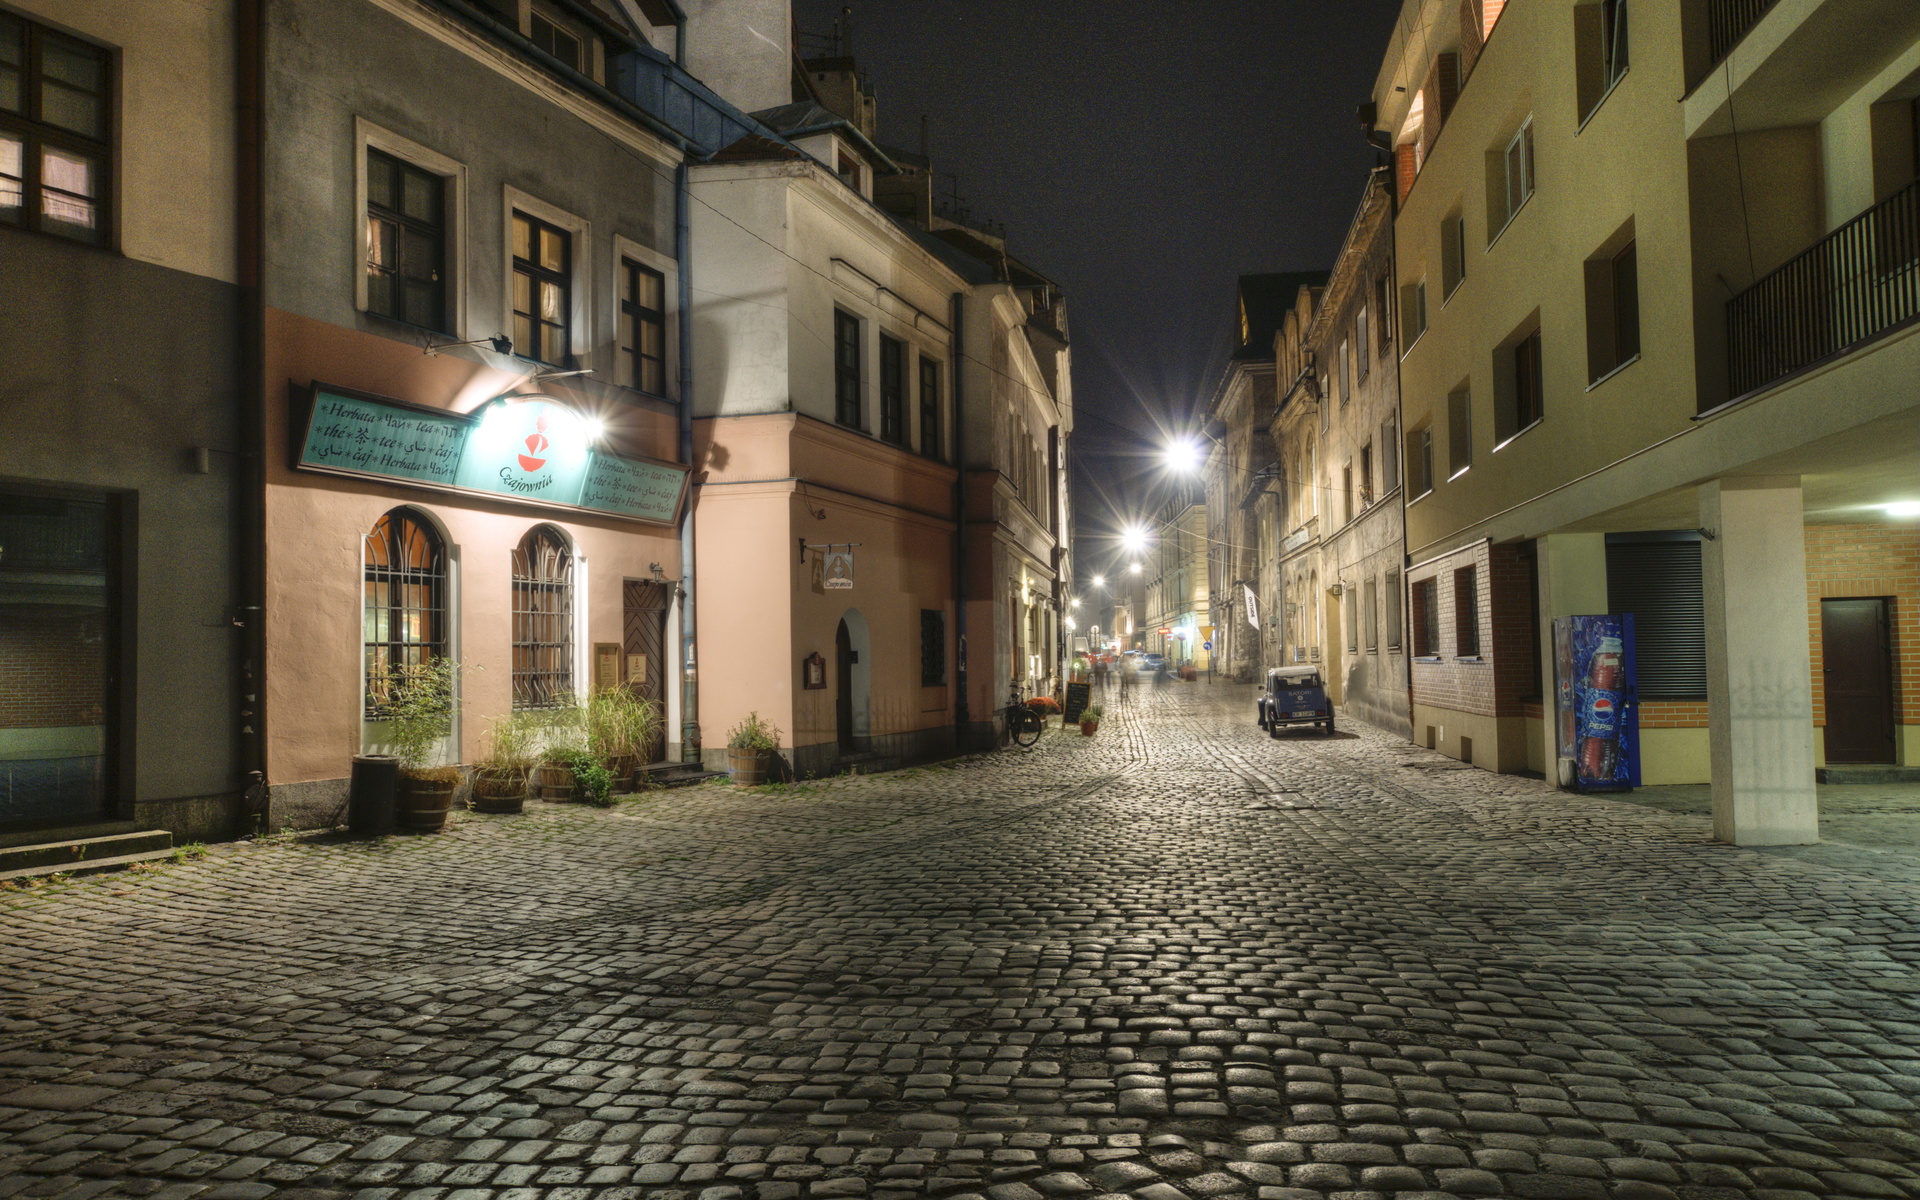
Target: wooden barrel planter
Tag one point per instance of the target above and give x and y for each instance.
(503, 793)
(424, 802)
(623, 767)
(748, 767)
(555, 783)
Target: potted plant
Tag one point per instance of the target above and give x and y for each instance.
(500, 778)
(561, 737)
(620, 727)
(750, 749)
(419, 716)
(1044, 706)
(1090, 719)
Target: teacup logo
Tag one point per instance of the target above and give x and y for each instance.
(532, 458)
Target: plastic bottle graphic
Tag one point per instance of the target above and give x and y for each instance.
(1599, 714)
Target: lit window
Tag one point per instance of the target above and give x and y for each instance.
(406, 242)
(542, 290)
(542, 620)
(55, 149)
(403, 602)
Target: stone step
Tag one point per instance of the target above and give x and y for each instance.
(676, 774)
(84, 856)
(1867, 773)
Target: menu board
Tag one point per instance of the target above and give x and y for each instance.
(1078, 694)
(534, 450)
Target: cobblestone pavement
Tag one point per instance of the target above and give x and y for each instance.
(1177, 961)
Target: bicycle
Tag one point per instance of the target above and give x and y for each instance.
(1024, 725)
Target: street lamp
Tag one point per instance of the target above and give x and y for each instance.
(1134, 537)
(1099, 581)
(1184, 455)
(1135, 568)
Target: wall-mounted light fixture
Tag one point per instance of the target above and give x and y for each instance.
(500, 342)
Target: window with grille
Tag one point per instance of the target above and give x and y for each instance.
(56, 148)
(542, 290)
(542, 620)
(643, 328)
(893, 390)
(846, 369)
(933, 647)
(930, 408)
(404, 602)
(406, 242)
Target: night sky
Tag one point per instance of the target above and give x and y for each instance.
(1143, 155)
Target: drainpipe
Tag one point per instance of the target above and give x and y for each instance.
(962, 712)
(250, 490)
(689, 678)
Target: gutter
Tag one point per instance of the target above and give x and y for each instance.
(250, 492)
(690, 750)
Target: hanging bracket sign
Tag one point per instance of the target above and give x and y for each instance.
(531, 449)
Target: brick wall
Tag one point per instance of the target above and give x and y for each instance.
(1673, 714)
(1846, 561)
(1496, 681)
(51, 671)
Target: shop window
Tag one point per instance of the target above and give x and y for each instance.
(893, 390)
(930, 407)
(933, 647)
(406, 242)
(1466, 613)
(403, 604)
(542, 290)
(642, 344)
(56, 148)
(542, 620)
(846, 369)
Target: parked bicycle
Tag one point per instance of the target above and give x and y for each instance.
(1023, 724)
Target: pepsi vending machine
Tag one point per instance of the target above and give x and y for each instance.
(1597, 717)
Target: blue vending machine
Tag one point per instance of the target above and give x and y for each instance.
(1596, 715)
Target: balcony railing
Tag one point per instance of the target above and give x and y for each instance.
(1856, 283)
(1728, 22)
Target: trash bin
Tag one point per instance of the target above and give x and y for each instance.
(371, 794)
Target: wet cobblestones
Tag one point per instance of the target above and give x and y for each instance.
(1177, 961)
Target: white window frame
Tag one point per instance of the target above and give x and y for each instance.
(1527, 174)
(367, 135)
(646, 256)
(579, 286)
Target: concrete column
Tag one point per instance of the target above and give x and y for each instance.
(1573, 583)
(1759, 670)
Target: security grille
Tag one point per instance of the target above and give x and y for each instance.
(404, 604)
(542, 620)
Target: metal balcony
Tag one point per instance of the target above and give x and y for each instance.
(1852, 286)
(1728, 22)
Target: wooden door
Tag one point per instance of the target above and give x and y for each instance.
(646, 663)
(1858, 665)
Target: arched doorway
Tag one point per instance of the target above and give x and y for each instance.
(852, 694)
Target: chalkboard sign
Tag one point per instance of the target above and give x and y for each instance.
(1078, 694)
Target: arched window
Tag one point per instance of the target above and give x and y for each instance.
(542, 620)
(404, 600)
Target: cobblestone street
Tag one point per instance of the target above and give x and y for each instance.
(1177, 960)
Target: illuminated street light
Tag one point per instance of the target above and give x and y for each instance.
(1134, 537)
(1099, 581)
(1185, 455)
(1135, 568)
(1074, 602)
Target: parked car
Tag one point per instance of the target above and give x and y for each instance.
(1294, 696)
(1153, 662)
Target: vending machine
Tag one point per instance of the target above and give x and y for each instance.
(1596, 715)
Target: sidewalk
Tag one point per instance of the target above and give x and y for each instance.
(1175, 961)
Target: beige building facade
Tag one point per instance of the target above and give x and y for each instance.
(1657, 358)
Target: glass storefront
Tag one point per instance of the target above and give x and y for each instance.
(57, 627)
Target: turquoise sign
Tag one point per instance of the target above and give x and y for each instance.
(534, 449)
(365, 436)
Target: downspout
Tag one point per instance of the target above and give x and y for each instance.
(962, 711)
(250, 490)
(689, 677)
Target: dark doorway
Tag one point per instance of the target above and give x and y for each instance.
(1857, 651)
(844, 658)
(59, 619)
(645, 669)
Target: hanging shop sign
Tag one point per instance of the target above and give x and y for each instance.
(1253, 606)
(532, 449)
(839, 567)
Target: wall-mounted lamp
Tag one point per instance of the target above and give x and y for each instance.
(501, 343)
(543, 376)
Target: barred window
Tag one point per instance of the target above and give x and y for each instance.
(933, 647)
(542, 620)
(404, 602)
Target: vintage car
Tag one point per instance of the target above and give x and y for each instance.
(1295, 696)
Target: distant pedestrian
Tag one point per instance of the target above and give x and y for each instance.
(1126, 681)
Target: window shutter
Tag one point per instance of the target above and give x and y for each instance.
(1656, 577)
